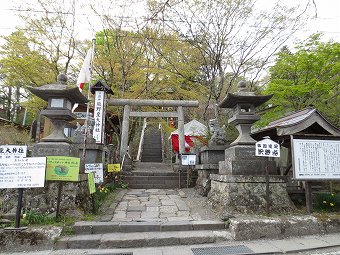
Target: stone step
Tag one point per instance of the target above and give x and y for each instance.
(153, 178)
(151, 151)
(155, 183)
(173, 185)
(152, 140)
(155, 165)
(142, 239)
(146, 173)
(151, 160)
(152, 156)
(95, 227)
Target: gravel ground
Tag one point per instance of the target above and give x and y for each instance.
(199, 205)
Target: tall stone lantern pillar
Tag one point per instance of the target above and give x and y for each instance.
(60, 98)
(240, 156)
(240, 185)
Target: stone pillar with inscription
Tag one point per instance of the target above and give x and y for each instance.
(240, 185)
(61, 98)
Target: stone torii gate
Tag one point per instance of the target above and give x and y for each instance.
(127, 103)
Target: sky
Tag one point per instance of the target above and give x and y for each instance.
(327, 21)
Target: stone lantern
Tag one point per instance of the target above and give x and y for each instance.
(240, 185)
(243, 104)
(240, 156)
(60, 98)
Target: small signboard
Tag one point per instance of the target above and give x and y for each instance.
(12, 151)
(62, 168)
(188, 159)
(97, 169)
(80, 115)
(316, 159)
(267, 148)
(22, 173)
(92, 186)
(113, 168)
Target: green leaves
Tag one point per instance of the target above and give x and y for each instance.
(308, 77)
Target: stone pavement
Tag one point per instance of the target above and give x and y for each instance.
(157, 221)
(315, 244)
(158, 205)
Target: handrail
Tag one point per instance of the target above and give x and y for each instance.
(162, 141)
(141, 140)
(123, 160)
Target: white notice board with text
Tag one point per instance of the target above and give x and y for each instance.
(315, 159)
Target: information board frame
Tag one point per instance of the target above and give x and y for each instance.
(316, 144)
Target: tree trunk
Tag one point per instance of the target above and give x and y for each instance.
(17, 105)
(9, 103)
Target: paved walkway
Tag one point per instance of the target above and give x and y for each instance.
(158, 205)
(311, 245)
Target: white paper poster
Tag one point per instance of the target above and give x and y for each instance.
(188, 159)
(97, 169)
(22, 172)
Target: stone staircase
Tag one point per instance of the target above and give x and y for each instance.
(152, 145)
(152, 175)
(109, 235)
(148, 218)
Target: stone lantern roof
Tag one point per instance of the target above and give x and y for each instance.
(242, 97)
(59, 89)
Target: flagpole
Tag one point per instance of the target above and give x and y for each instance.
(88, 103)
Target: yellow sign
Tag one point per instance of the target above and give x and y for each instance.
(92, 186)
(62, 168)
(113, 168)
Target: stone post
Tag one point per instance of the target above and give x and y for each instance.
(125, 131)
(181, 138)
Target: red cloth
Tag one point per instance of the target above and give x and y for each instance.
(175, 142)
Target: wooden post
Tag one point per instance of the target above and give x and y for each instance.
(125, 131)
(60, 188)
(93, 204)
(267, 189)
(181, 138)
(308, 194)
(19, 207)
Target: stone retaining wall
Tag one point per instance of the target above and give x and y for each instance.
(249, 228)
(247, 194)
(203, 177)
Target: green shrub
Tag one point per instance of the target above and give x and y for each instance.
(36, 218)
(327, 202)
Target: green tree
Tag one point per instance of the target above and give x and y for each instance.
(232, 37)
(308, 76)
(21, 66)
